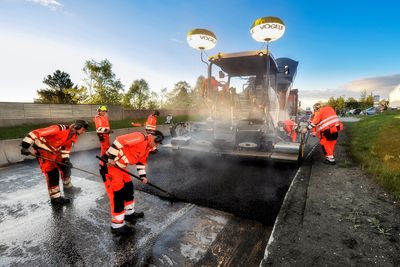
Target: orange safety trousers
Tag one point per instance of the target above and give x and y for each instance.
(119, 189)
(51, 171)
(104, 144)
(290, 129)
(328, 146)
(328, 141)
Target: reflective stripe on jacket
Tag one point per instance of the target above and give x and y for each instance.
(55, 138)
(131, 149)
(151, 123)
(324, 119)
(102, 124)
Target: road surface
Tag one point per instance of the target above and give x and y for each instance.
(225, 215)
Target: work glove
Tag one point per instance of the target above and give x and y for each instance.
(101, 138)
(103, 171)
(104, 158)
(25, 151)
(144, 179)
(67, 162)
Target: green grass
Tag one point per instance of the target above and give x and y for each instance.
(22, 130)
(375, 145)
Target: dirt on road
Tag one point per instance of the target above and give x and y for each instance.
(343, 219)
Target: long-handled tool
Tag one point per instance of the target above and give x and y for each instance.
(62, 163)
(170, 196)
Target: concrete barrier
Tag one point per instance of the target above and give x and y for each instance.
(10, 151)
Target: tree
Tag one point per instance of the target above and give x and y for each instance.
(78, 95)
(199, 83)
(369, 101)
(61, 89)
(351, 103)
(340, 104)
(138, 95)
(153, 101)
(179, 97)
(363, 95)
(332, 102)
(103, 86)
(163, 96)
(195, 95)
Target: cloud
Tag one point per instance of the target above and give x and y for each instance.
(52, 4)
(381, 85)
(176, 40)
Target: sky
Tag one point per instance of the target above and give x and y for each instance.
(343, 46)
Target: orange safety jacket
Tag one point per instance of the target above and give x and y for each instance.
(55, 139)
(325, 119)
(132, 148)
(290, 128)
(313, 130)
(102, 124)
(151, 123)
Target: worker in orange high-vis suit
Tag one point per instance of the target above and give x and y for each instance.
(102, 129)
(128, 149)
(290, 127)
(54, 143)
(327, 126)
(151, 122)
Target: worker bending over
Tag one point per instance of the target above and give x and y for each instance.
(128, 149)
(52, 146)
(290, 127)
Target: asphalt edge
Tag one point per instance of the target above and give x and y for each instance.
(292, 209)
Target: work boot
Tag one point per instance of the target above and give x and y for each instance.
(329, 162)
(72, 190)
(134, 216)
(124, 230)
(60, 201)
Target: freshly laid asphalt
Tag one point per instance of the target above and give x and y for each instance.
(224, 217)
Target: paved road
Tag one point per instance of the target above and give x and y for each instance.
(201, 230)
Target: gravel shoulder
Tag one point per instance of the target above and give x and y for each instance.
(335, 216)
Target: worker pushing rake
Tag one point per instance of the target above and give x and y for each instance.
(52, 147)
(128, 149)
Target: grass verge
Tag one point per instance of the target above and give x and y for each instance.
(375, 145)
(22, 130)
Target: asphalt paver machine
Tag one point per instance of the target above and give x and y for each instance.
(246, 107)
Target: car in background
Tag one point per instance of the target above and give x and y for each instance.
(369, 111)
(355, 111)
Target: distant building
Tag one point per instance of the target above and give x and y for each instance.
(394, 97)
